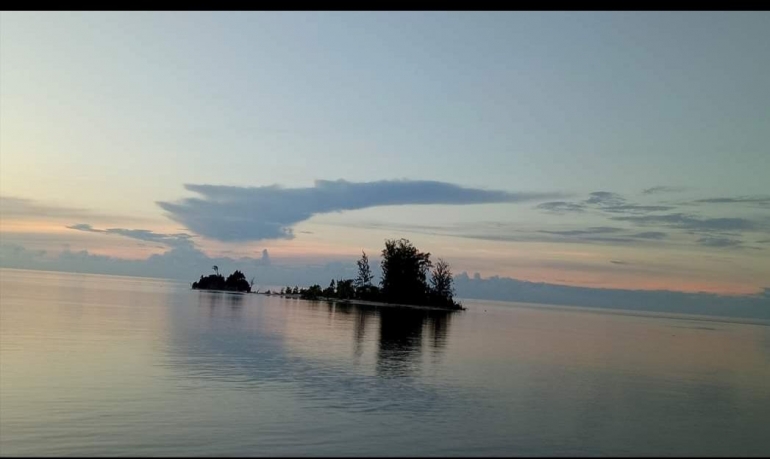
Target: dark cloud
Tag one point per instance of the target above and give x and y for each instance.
(230, 213)
(170, 240)
(618, 262)
(561, 207)
(719, 242)
(663, 189)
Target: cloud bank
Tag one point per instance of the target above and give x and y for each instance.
(231, 214)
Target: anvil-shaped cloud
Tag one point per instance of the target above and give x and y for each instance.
(231, 213)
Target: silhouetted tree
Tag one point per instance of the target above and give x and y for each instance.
(296, 290)
(442, 291)
(330, 291)
(345, 289)
(312, 293)
(404, 272)
(365, 277)
(216, 269)
(237, 282)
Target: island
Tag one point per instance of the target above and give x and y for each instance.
(235, 282)
(409, 279)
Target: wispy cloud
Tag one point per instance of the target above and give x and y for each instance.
(760, 201)
(230, 213)
(689, 222)
(585, 232)
(719, 242)
(22, 207)
(17, 208)
(605, 198)
(664, 189)
(561, 207)
(635, 209)
(603, 201)
(650, 235)
(169, 240)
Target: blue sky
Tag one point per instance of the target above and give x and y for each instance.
(117, 120)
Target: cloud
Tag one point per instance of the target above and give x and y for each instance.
(16, 208)
(604, 201)
(688, 222)
(650, 235)
(719, 242)
(761, 201)
(170, 240)
(664, 189)
(618, 262)
(561, 207)
(635, 209)
(605, 198)
(22, 207)
(85, 227)
(585, 232)
(230, 213)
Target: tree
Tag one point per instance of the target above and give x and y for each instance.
(311, 293)
(441, 284)
(404, 272)
(237, 282)
(330, 291)
(365, 277)
(345, 289)
(296, 290)
(216, 269)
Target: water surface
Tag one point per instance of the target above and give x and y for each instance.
(108, 365)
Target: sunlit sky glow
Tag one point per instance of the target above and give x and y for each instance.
(626, 150)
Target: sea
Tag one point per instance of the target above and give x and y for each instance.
(95, 365)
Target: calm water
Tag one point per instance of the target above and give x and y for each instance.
(103, 365)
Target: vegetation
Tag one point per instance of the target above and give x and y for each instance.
(235, 282)
(408, 277)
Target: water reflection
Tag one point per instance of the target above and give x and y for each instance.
(212, 300)
(401, 339)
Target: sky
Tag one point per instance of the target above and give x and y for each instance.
(595, 149)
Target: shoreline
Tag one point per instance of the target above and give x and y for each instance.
(366, 302)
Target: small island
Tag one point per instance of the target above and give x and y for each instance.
(409, 278)
(235, 282)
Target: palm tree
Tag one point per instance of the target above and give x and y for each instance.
(216, 269)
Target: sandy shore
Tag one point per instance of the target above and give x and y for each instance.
(366, 303)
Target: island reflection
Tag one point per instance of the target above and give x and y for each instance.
(399, 336)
